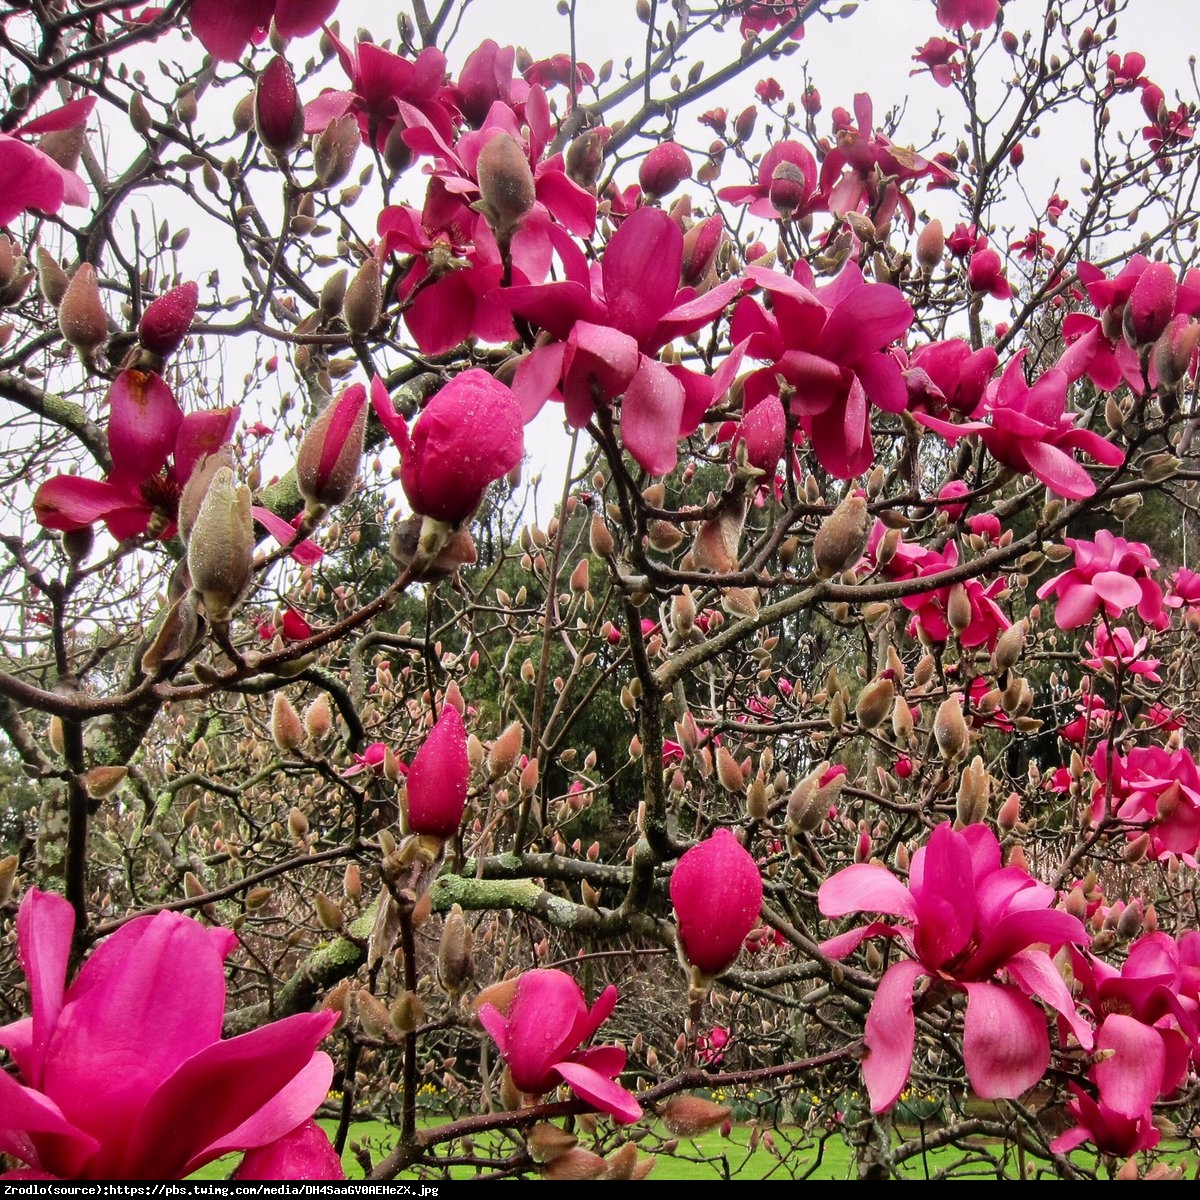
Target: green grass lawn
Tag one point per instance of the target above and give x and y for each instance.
(783, 1153)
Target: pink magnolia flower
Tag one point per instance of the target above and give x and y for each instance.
(437, 778)
(227, 29)
(1031, 431)
(1109, 573)
(1125, 74)
(1115, 652)
(123, 1074)
(541, 1036)
(965, 920)
(829, 345)
(32, 179)
(1105, 1128)
(386, 93)
(468, 436)
(937, 57)
(865, 171)
(964, 240)
(154, 449)
(949, 375)
(1153, 790)
(608, 329)
(1146, 1029)
(717, 891)
(985, 272)
(787, 184)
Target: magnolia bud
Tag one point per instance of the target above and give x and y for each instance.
(930, 245)
(842, 537)
(664, 169)
(329, 912)
(973, 788)
(1008, 648)
(950, 730)
(958, 609)
(1010, 813)
(81, 315)
(220, 554)
(455, 966)
(196, 488)
(333, 294)
(334, 150)
(318, 718)
(506, 185)
(287, 729)
(52, 279)
(364, 299)
(8, 876)
(683, 612)
(278, 113)
(505, 750)
(575, 1164)
(690, 1116)
(168, 318)
(330, 452)
(548, 1142)
(729, 773)
(407, 1012)
(600, 539)
(875, 702)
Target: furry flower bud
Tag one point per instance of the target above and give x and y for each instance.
(221, 549)
(81, 315)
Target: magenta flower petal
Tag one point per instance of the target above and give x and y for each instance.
(143, 421)
(651, 413)
(200, 434)
(31, 180)
(226, 29)
(305, 552)
(1131, 1078)
(890, 1032)
(438, 777)
(47, 921)
(942, 884)
(67, 502)
(865, 887)
(1057, 470)
(161, 976)
(1033, 971)
(296, 18)
(1005, 1046)
(305, 1153)
(641, 272)
(606, 1094)
(25, 1112)
(228, 1089)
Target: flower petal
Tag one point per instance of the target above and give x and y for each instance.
(1130, 1079)
(890, 1032)
(651, 414)
(606, 1094)
(1005, 1045)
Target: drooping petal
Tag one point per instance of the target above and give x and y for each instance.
(305, 552)
(606, 1094)
(1005, 1045)
(32, 180)
(295, 18)
(1058, 471)
(651, 415)
(1131, 1077)
(1033, 971)
(226, 29)
(890, 1032)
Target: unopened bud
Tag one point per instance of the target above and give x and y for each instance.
(334, 150)
(364, 299)
(875, 702)
(689, 1116)
(455, 965)
(729, 773)
(506, 185)
(318, 718)
(168, 318)
(973, 789)
(842, 537)
(221, 548)
(278, 113)
(664, 169)
(287, 729)
(81, 315)
(505, 750)
(950, 730)
(930, 245)
(331, 450)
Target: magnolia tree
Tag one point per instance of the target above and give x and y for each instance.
(819, 770)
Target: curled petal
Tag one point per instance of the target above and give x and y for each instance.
(890, 1032)
(1005, 1046)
